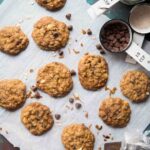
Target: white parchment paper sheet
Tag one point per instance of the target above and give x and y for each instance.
(22, 11)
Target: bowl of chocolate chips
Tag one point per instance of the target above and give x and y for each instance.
(115, 36)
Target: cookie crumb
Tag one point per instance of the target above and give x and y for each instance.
(78, 105)
(99, 148)
(76, 51)
(70, 27)
(89, 32)
(76, 96)
(57, 116)
(86, 115)
(98, 127)
(68, 16)
(90, 126)
(73, 73)
(83, 31)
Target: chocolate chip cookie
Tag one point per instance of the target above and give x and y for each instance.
(77, 136)
(115, 112)
(51, 4)
(93, 72)
(37, 118)
(50, 34)
(12, 94)
(12, 40)
(55, 79)
(135, 85)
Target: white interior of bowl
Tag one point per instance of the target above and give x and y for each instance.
(140, 18)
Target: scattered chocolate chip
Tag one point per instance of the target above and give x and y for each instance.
(78, 105)
(98, 127)
(73, 73)
(71, 100)
(61, 53)
(68, 16)
(37, 95)
(34, 88)
(102, 52)
(99, 47)
(57, 116)
(106, 136)
(99, 148)
(31, 70)
(81, 44)
(70, 27)
(112, 146)
(89, 32)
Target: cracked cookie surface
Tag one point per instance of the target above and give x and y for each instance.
(37, 118)
(135, 85)
(77, 136)
(115, 112)
(52, 4)
(50, 34)
(12, 40)
(12, 94)
(93, 72)
(54, 79)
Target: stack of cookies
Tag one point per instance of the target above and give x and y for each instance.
(55, 79)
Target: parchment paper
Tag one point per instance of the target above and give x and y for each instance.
(26, 12)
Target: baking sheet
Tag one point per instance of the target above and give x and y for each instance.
(26, 13)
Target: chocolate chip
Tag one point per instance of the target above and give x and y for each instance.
(70, 27)
(89, 32)
(34, 88)
(78, 105)
(55, 34)
(37, 95)
(71, 100)
(57, 116)
(102, 52)
(99, 47)
(61, 53)
(73, 73)
(68, 16)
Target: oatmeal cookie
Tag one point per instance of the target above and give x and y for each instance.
(135, 85)
(37, 118)
(50, 34)
(93, 72)
(54, 79)
(12, 94)
(78, 136)
(115, 112)
(51, 4)
(12, 40)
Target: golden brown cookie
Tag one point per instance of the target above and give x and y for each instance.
(115, 112)
(12, 94)
(77, 136)
(54, 79)
(37, 118)
(135, 85)
(50, 34)
(12, 40)
(51, 4)
(93, 72)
